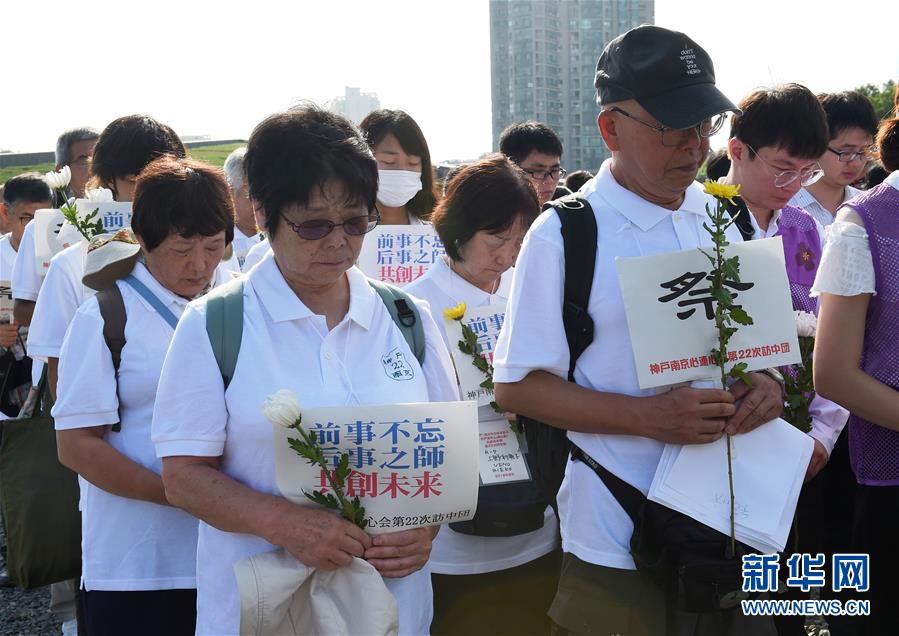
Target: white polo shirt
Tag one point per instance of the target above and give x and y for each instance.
(594, 527)
(62, 293)
(807, 201)
(126, 544)
(454, 552)
(284, 346)
(7, 257)
(256, 254)
(243, 243)
(26, 272)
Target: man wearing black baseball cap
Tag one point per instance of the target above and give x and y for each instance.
(659, 103)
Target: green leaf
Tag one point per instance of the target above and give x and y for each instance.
(479, 362)
(487, 384)
(739, 315)
(343, 469)
(723, 297)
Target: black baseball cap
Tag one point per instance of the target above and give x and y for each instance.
(665, 71)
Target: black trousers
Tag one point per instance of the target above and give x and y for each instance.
(509, 602)
(152, 613)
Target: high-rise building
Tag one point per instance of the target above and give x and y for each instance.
(354, 105)
(543, 57)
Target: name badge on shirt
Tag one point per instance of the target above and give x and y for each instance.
(396, 366)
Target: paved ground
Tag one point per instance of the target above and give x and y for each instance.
(26, 613)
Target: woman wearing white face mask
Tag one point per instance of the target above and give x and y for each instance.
(405, 178)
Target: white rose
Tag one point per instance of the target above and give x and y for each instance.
(282, 408)
(59, 180)
(806, 324)
(99, 195)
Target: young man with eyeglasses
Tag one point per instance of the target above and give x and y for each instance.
(774, 147)
(852, 123)
(537, 150)
(659, 106)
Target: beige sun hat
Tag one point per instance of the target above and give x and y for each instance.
(110, 257)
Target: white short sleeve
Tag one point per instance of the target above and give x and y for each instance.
(846, 268)
(59, 299)
(86, 391)
(26, 273)
(533, 335)
(438, 364)
(190, 416)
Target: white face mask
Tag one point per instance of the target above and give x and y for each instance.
(397, 187)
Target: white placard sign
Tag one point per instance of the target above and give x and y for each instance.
(47, 223)
(670, 313)
(413, 465)
(6, 301)
(486, 323)
(52, 234)
(501, 460)
(400, 254)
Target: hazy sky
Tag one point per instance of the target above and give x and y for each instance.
(218, 68)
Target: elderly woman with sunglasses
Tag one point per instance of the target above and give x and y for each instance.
(312, 324)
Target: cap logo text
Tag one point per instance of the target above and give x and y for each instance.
(688, 57)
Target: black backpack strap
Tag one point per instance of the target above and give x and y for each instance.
(627, 496)
(112, 310)
(579, 236)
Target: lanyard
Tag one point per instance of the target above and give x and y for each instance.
(147, 295)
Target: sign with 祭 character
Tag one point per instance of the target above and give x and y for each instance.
(400, 254)
(411, 465)
(670, 313)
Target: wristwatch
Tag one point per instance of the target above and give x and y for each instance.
(777, 376)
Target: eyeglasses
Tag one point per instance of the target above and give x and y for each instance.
(848, 156)
(673, 137)
(540, 175)
(783, 178)
(320, 228)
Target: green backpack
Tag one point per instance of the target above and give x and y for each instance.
(224, 322)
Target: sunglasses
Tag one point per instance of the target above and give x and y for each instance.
(320, 228)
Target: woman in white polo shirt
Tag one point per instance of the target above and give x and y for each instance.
(311, 324)
(496, 578)
(139, 552)
(124, 148)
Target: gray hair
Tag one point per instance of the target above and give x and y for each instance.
(65, 141)
(234, 168)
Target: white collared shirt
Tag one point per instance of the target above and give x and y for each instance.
(807, 201)
(454, 552)
(774, 225)
(7, 256)
(26, 272)
(594, 527)
(284, 346)
(256, 254)
(62, 293)
(127, 544)
(242, 244)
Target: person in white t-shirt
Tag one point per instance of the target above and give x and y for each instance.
(22, 196)
(658, 112)
(852, 123)
(124, 148)
(246, 231)
(312, 324)
(488, 577)
(139, 552)
(405, 175)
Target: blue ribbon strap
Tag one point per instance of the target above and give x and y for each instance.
(147, 295)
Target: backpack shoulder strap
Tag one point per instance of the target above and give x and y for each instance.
(112, 310)
(579, 236)
(405, 314)
(224, 325)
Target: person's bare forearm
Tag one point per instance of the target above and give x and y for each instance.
(550, 399)
(22, 311)
(219, 500)
(859, 393)
(95, 460)
(52, 375)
